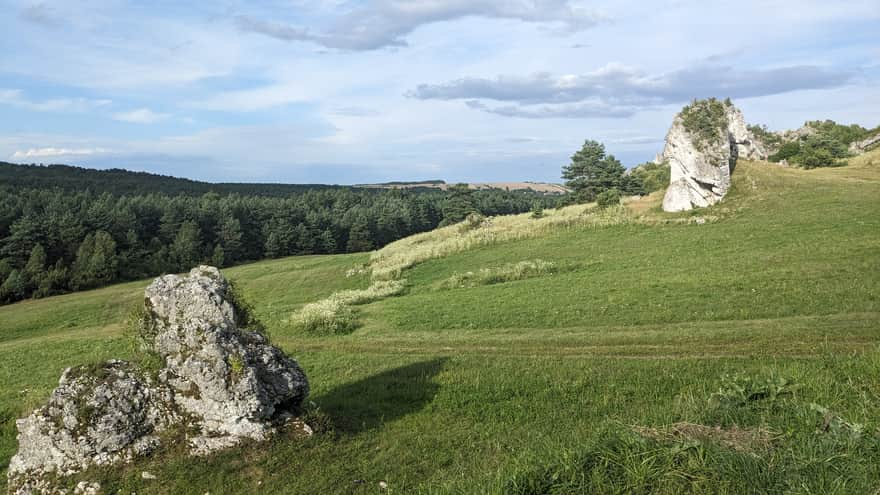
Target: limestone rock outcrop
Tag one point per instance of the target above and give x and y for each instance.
(227, 376)
(864, 145)
(748, 146)
(219, 377)
(702, 146)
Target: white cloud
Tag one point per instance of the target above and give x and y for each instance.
(56, 152)
(16, 98)
(384, 23)
(141, 116)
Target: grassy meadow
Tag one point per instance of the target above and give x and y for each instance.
(729, 350)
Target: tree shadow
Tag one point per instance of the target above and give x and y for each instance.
(370, 403)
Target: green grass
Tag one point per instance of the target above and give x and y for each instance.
(536, 385)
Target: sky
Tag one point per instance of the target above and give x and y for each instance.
(344, 92)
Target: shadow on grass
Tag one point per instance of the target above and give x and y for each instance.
(370, 403)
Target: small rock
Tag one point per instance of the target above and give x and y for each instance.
(148, 475)
(87, 488)
(383, 485)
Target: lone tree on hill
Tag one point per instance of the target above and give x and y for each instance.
(592, 171)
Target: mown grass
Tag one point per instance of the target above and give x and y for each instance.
(540, 385)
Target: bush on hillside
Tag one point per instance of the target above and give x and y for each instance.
(653, 176)
(814, 151)
(706, 120)
(611, 197)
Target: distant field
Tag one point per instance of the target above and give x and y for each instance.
(541, 187)
(561, 383)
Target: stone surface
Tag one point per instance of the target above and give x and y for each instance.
(700, 168)
(97, 416)
(748, 146)
(230, 378)
(860, 147)
(219, 379)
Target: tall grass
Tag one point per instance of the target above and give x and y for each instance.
(325, 317)
(334, 315)
(498, 275)
(389, 262)
(379, 289)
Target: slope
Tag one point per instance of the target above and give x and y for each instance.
(760, 315)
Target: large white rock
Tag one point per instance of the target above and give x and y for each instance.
(228, 377)
(699, 173)
(220, 379)
(701, 165)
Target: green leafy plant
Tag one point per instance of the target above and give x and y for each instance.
(837, 426)
(739, 389)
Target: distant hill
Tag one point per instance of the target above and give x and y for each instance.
(119, 181)
(538, 187)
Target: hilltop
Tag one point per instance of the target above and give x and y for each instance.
(729, 348)
(120, 181)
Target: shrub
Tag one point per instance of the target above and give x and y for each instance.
(610, 197)
(786, 152)
(654, 176)
(471, 222)
(706, 121)
(537, 210)
(770, 139)
(326, 317)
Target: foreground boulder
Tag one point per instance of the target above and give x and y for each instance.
(702, 147)
(218, 378)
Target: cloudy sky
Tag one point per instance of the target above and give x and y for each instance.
(337, 91)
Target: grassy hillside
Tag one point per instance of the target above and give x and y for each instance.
(737, 353)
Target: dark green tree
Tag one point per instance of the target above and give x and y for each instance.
(186, 250)
(360, 238)
(96, 261)
(459, 204)
(591, 171)
(327, 242)
(229, 237)
(14, 287)
(34, 270)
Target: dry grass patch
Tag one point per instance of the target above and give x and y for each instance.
(379, 289)
(734, 437)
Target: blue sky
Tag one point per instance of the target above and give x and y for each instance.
(338, 91)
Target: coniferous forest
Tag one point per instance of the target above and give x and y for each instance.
(65, 229)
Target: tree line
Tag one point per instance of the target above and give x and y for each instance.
(54, 240)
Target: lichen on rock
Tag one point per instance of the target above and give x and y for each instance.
(221, 379)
